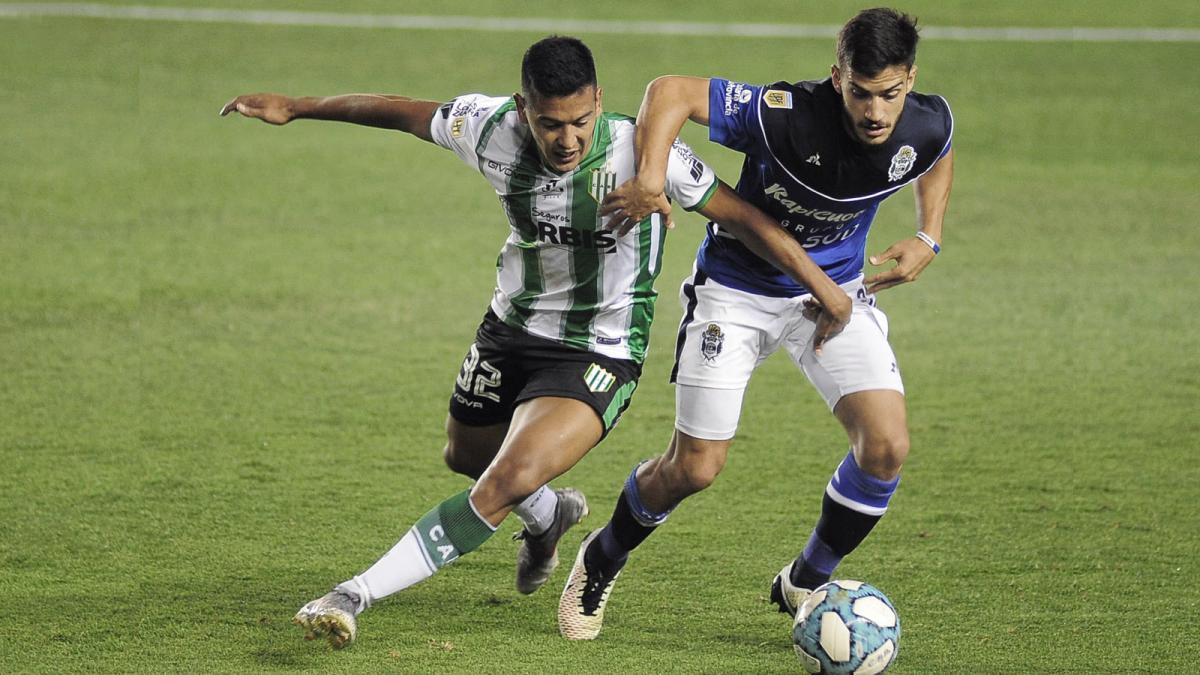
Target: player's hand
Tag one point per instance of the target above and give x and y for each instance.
(830, 318)
(912, 256)
(270, 108)
(631, 203)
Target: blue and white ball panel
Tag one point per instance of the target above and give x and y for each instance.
(846, 627)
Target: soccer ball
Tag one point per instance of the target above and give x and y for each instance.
(846, 627)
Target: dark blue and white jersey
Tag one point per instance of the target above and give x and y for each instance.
(805, 170)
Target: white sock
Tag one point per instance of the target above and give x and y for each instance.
(398, 569)
(537, 510)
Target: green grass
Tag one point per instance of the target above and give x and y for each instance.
(227, 349)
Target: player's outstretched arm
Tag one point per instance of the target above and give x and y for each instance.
(373, 110)
(763, 236)
(913, 255)
(670, 101)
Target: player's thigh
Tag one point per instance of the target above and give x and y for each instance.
(858, 359)
(491, 377)
(707, 413)
(724, 334)
(548, 435)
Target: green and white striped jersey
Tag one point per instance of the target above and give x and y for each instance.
(561, 274)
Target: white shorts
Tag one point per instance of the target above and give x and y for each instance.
(726, 333)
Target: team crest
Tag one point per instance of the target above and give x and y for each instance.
(775, 98)
(598, 380)
(603, 182)
(902, 163)
(711, 342)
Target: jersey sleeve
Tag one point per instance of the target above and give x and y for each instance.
(733, 114)
(460, 124)
(690, 181)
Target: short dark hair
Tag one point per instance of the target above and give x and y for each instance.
(557, 66)
(876, 39)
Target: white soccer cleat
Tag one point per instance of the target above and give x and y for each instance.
(330, 616)
(538, 555)
(784, 594)
(581, 605)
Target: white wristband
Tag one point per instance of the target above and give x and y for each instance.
(929, 240)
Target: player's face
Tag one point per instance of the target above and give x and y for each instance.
(873, 104)
(562, 126)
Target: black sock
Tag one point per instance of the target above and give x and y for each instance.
(839, 531)
(623, 533)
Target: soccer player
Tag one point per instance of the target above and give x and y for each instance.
(819, 157)
(559, 352)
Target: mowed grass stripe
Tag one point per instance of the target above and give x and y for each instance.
(608, 26)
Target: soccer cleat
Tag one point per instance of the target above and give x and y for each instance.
(581, 605)
(538, 555)
(330, 616)
(784, 594)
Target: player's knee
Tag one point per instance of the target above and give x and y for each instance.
(506, 483)
(884, 455)
(696, 465)
(461, 460)
(697, 477)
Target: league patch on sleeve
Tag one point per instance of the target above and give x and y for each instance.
(774, 98)
(456, 127)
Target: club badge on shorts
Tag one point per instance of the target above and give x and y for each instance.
(711, 342)
(902, 163)
(598, 379)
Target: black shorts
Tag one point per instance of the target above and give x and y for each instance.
(506, 366)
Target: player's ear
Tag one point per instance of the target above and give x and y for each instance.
(835, 74)
(912, 78)
(520, 101)
(599, 93)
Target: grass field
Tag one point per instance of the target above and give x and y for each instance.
(226, 351)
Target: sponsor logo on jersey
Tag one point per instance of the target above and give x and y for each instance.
(597, 379)
(775, 98)
(464, 108)
(814, 159)
(456, 127)
(603, 181)
(505, 169)
(736, 94)
(550, 216)
(711, 342)
(780, 195)
(827, 236)
(695, 166)
(608, 340)
(561, 235)
(902, 163)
